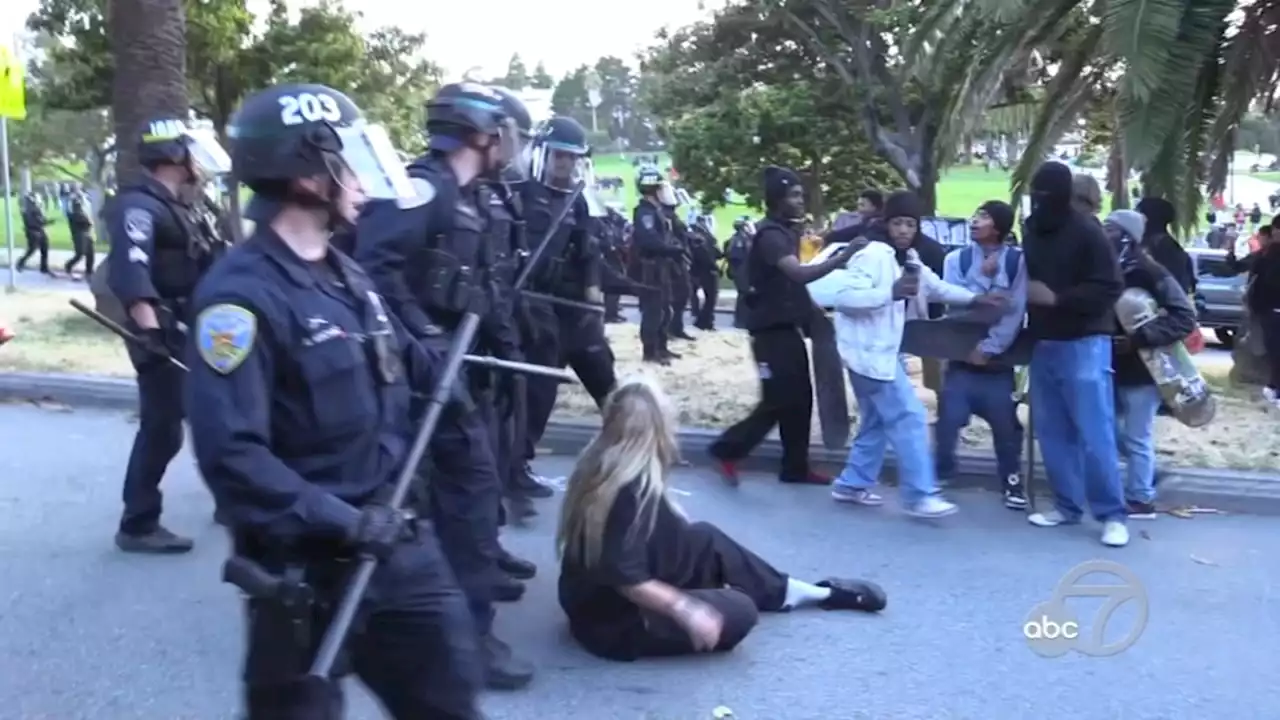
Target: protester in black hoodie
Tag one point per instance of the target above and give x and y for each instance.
(1137, 397)
(1074, 282)
(1160, 244)
(1263, 298)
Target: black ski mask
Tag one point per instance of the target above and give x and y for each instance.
(1051, 196)
(1159, 214)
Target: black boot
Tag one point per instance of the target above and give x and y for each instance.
(528, 484)
(516, 567)
(502, 669)
(507, 589)
(157, 542)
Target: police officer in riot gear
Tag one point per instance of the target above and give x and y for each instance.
(678, 271)
(426, 259)
(612, 247)
(704, 273)
(33, 224)
(655, 252)
(157, 256)
(570, 268)
(304, 382)
(80, 220)
(735, 264)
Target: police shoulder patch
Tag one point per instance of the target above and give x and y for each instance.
(138, 225)
(423, 193)
(225, 335)
(647, 221)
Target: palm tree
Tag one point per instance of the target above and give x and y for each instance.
(1177, 75)
(148, 43)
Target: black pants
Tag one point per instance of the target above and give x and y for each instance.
(786, 401)
(1270, 322)
(704, 312)
(612, 306)
(465, 495)
(712, 567)
(581, 346)
(82, 240)
(157, 442)
(37, 242)
(414, 646)
(679, 301)
(655, 306)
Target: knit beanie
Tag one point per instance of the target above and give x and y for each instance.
(778, 181)
(902, 203)
(1001, 214)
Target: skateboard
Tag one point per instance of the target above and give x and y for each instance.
(954, 337)
(1185, 392)
(829, 383)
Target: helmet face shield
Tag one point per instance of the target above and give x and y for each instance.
(559, 166)
(667, 196)
(514, 150)
(369, 154)
(208, 158)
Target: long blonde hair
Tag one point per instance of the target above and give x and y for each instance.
(636, 444)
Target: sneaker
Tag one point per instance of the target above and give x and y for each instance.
(1269, 394)
(1051, 518)
(157, 542)
(729, 472)
(1115, 534)
(932, 506)
(855, 496)
(861, 595)
(1141, 510)
(1015, 493)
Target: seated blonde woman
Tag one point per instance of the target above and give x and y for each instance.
(637, 578)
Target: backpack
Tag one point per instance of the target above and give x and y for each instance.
(1011, 259)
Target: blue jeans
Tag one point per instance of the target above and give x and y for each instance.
(1072, 406)
(989, 395)
(890, 415)
(1135, 420)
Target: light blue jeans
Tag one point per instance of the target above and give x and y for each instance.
(890, 415)
(1135, 424)
(1073, 410)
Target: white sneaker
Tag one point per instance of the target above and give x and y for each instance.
(1115, 534)
(1051, 518)
(1269, 394)
(932, 506)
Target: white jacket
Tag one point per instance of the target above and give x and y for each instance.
(869, 321)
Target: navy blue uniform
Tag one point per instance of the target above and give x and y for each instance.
(304, 384)
(429, 263)
(157, 256)
(81, 224)
(654, 254)
(568, 337)
(679, 275)
(33, 224)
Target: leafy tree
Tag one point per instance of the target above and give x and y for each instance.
(541, 79)
(517, 77)
(570, 96)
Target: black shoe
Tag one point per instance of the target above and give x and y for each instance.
(157, 542)
(507, 589)
(516, 567)
(1141, 510)
(672, 355)
(502, 669)
(682, 335)
(854, 595)
(1015, 493)
(706, 328)
(615, 319)
(529, 485)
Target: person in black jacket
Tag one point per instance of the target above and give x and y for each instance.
(1263, 299)
(1160, 244)
(1137, 397)
(1073, 284)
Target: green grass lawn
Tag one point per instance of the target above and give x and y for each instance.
(1268, 176)
(59, 232)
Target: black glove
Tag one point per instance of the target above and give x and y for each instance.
(380, 529)
(153, 342)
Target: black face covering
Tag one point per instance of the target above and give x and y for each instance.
(1051, 196)
(1159, 214)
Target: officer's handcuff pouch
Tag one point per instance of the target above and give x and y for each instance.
(447, 282)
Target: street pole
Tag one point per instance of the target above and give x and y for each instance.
(8, 202)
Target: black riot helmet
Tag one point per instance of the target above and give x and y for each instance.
(460, 113)
(650, 182)
(518, 114)
(561, 156)
(292, 132)
(173, 141)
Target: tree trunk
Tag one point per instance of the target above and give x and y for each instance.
(1249, 364)
(1118, 174)
(148, 44)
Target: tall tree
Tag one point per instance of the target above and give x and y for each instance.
(570, 96)
(541, 79)
(148, 46)
(517, 77)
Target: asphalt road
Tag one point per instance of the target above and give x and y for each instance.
(89, 633)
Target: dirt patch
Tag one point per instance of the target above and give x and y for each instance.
(714, 384)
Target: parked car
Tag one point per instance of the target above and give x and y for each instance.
(1219, 294)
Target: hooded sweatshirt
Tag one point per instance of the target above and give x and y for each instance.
(1159, 243)
(1070, 253)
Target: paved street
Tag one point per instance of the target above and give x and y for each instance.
(89, 633)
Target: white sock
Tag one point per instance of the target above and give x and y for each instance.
(800, 593)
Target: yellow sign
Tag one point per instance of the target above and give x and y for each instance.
(13, 100)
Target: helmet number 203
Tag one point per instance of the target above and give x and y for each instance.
(309, 107)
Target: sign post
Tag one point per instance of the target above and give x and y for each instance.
(594, 97)
(13, 106)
